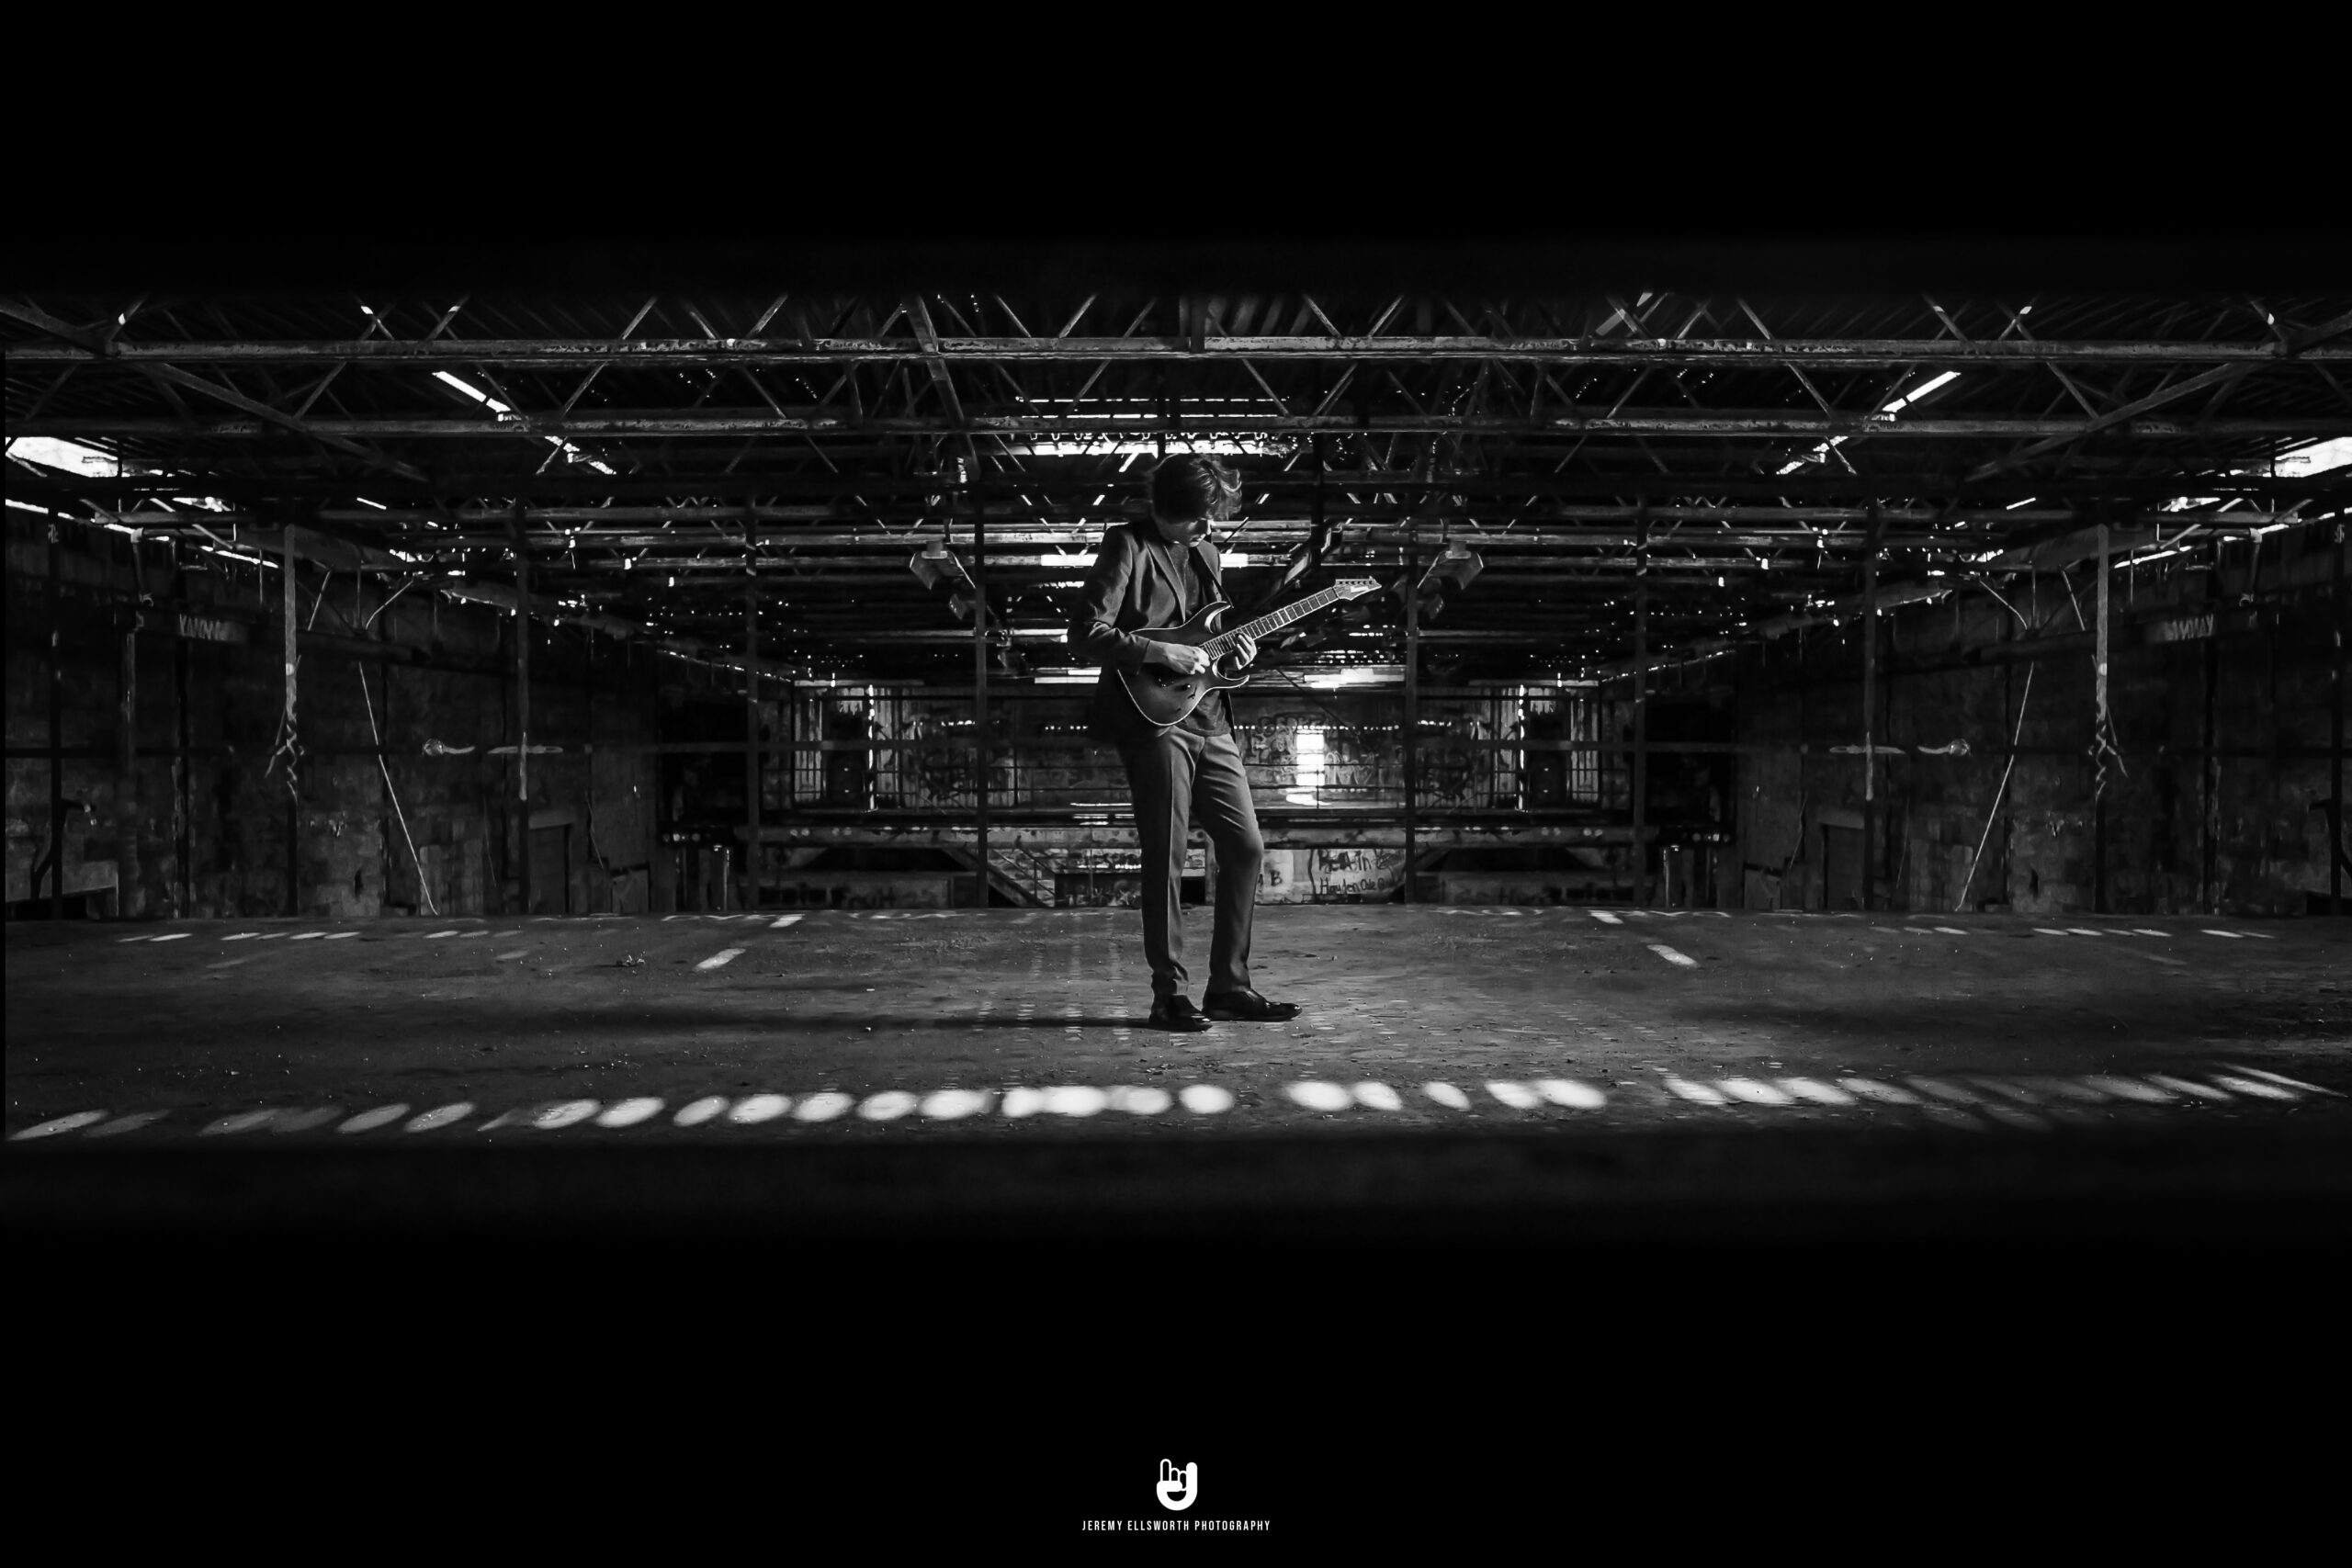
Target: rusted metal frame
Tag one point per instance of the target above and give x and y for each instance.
(1802, 380)
(768, 315)
(1706, 352)
(730, 423)
(2334, 384)
(1080, 396)
(1633, 320)
(2117, 415)
(1011, 316)
(2268, 318)
(2221, 395)
(1014, 385)
(1076, 316)
(172, 375)
(751, 376)
(55, 387)
(446, 317)
(598, 368)
(2056, 369)
(1945, 316)
(319, 388)
(1279, 407)
(1398, 382)
(1337, 386)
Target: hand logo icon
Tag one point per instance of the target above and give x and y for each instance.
(1178, 1487)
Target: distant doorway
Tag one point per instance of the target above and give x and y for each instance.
(551, 870)
(1841, 867)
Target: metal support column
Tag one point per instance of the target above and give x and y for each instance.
(126, 790)
(185, 767)
(1870, 711)
(979, 665)
(750, 710)
(522, 706)
(2099, 800)
(289, 598)
(56, 731)
(2336, 835)
(1642, 737)
(1412, 746)
(2208, 766)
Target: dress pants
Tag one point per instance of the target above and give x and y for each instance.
(1173, 776)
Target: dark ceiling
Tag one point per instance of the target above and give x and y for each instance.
(1733, 452)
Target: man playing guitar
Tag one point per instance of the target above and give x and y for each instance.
(1158, 574)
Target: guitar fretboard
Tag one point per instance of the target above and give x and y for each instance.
(1223, 642)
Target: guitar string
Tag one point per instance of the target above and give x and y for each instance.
(1223, 642)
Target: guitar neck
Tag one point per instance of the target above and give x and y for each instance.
(1275, 620)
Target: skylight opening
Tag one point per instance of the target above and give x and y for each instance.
(70, 456)
(1920, 392)
(2317, 458)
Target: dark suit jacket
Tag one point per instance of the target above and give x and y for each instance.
(1128, 588)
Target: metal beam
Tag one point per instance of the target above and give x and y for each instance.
(929, 348)
(344, 433)
(918, 314)
(100, 349)
(2286, 350)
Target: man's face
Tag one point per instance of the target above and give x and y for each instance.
(1180, 533)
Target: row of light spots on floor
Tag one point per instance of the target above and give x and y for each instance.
(2000, 1098)
(2144, 931)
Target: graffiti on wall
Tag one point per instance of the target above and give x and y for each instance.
(1333, 875)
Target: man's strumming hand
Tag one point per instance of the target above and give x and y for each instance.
(1182, 658)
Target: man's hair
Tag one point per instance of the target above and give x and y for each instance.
(1193, 485)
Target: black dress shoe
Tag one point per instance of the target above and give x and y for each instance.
(1249, 1007)
(1178, 1015)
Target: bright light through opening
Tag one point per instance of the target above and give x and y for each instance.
(477, 395)
(70, 456)
(1307, 779)
(2319, 457)
(1920, 391)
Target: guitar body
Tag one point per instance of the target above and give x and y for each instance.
(1163, 696)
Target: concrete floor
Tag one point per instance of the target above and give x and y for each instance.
(1447, 1056)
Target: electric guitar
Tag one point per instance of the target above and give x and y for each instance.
(1163, 697)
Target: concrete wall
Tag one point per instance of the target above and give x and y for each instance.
(2238, 831)
(333, 845)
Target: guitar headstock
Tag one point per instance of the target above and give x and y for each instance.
(1355, 587)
